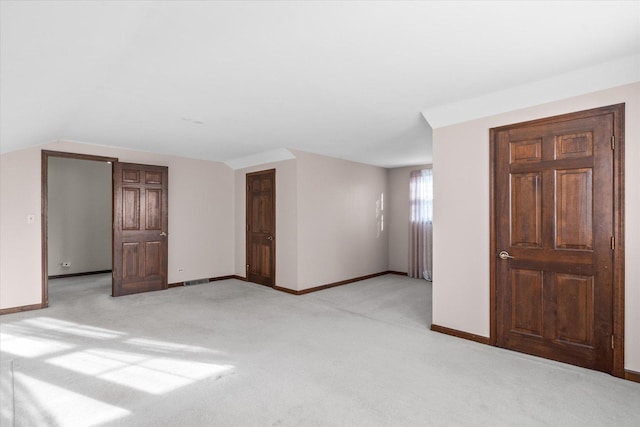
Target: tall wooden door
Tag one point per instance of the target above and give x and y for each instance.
(261, 227)
(140, 228)
(554, 237)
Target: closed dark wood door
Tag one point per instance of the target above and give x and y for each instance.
(261, 227)
(554, 225)
(140, 228)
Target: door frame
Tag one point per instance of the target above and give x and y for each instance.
(44, 208)
(271, 171)
(617, 111)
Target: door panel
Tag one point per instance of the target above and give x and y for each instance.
(131, 209)
(574, 145)
(154, 209)
(574, 209)
(526, 302)
(260, 227)
(554, 215)
(526, 151)
(575, 326)
(130, 259)
(140, 244)
(526, 210)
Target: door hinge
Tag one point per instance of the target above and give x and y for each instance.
(613, 142)
(613, 243)
(247, 267)
(612, 342)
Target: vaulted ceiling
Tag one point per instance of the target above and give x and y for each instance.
(225, 80)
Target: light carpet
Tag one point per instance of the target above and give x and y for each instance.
(231, 353)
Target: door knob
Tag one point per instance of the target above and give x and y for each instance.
(270, 238)
(163, 234)
(504, 255)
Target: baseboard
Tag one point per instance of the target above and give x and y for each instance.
(244, 279)
(628, 374)
(287, 290)
(632, 376)
(460, 334)
(88, 273)
(329, 285)
(398, 273)
(215, 279)
(21, 308)
(175, 285)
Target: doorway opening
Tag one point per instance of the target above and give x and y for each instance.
(77, 216)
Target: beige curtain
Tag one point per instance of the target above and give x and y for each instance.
(421, 224)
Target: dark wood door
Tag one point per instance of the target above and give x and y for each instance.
(261, 227)
(140, 228)
(554, 224)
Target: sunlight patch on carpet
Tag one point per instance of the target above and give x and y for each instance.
(64, 407)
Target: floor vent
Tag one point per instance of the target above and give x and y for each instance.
(195, 282)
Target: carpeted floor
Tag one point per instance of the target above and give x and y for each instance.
(230, 353)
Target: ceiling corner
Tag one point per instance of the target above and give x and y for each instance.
(579, 82)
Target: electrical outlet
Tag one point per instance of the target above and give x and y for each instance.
(66, 264)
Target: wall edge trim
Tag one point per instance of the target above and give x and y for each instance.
(398, 273)
(21, 308)
(87, 273)
(175, 285)
(334, 284)
(215, 279)
(460, 334)
(632, 375)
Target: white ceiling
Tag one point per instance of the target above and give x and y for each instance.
(229, 80)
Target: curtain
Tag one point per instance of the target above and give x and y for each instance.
(421, 224)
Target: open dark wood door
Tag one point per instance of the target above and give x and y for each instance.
(261, 227)
(554, 237)
(140, 212)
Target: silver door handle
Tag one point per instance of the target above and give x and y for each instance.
(270, 238)
(163, 234)
(505, 255)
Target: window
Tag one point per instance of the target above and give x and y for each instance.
(421, 195)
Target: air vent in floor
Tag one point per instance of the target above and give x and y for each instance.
(196, 282)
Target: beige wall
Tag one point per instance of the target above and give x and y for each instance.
(329, 212)
(461, 214)
(20, 242)
(328, 220)
(200, 206)
(286, 221)
(399, 212)
(79, 215)
(341, 234)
